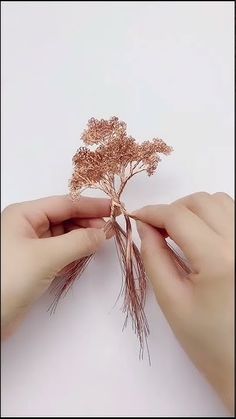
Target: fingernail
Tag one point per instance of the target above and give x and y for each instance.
(141, 228)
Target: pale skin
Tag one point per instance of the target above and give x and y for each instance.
(41, 237)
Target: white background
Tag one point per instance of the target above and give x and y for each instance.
(166, 68)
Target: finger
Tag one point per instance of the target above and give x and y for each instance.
(57, 252)
(208, 209)
(226, 203)
(73, 224)
(61, 208)
(88, 222)
(93, 222)
(191, 233)
(159, 264)
(224, 199)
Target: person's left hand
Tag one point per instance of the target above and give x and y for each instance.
(39, 238)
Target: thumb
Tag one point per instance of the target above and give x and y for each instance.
(159, 265)
(61, 250)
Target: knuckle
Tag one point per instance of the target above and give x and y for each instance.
(175, 207)
(194, 201)
(11, 209)
(202, 195)
(198, 200)
(222, 196)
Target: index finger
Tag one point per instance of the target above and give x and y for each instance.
(61, 208)
(188, 231)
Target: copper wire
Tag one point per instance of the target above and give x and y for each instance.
(117, 157)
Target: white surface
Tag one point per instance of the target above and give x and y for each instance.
(166, 68)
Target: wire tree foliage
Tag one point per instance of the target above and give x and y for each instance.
(115, 160)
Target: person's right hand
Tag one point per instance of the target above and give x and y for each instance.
(199, 306)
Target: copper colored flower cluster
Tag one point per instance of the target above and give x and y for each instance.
(109, 159)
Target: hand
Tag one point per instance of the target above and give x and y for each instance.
(200, 306)
(39, 238)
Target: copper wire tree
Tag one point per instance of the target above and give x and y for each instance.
(109, 159)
